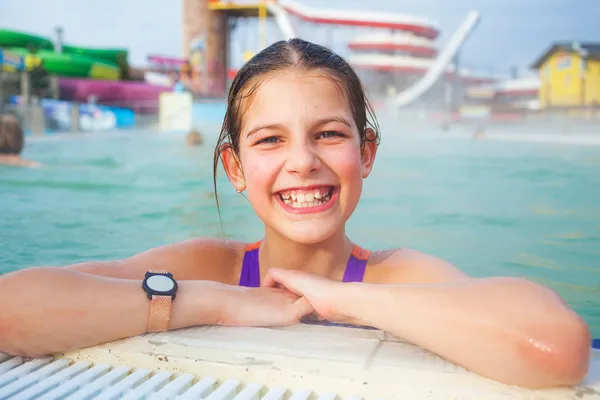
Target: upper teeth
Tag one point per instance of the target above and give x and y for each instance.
(305, 196)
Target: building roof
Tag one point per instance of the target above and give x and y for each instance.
(593, 51)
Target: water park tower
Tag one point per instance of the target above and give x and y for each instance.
(206, 33)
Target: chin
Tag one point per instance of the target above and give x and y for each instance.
(309, 232)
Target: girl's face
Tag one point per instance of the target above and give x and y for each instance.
(299, 150)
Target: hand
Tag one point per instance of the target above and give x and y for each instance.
(323, 294)
(264, 306)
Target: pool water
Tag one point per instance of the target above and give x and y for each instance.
(491, 207)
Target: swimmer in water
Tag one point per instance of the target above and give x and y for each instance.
(194, 138)
(12, 141)
(298, 139)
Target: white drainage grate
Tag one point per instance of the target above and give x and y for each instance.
(46, 379)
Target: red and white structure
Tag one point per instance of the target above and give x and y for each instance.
(399, 52)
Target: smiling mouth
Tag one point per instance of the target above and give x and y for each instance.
(316, 197)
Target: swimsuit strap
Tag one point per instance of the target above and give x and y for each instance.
(250, 276)
(355, 269)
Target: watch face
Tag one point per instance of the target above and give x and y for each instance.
(160, 283)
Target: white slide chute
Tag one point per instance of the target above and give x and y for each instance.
(441, 63)
(409, 95)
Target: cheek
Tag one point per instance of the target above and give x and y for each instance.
(346, 163)
(260, 171)
(347, 166)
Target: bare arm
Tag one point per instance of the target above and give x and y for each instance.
(46, 310)
(52, 309)
(508, 329)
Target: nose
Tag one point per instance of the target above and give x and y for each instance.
(302, 158)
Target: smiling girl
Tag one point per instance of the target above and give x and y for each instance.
(298, 139)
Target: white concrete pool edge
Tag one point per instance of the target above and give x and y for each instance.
(344, 362)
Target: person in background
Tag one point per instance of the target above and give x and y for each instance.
(194, 138)
(12, 142)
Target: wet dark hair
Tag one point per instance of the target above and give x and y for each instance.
(11, 135)
(288, 54)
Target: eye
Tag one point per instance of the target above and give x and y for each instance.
(330, 134)
(269, 140)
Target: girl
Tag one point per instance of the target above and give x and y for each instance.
(298, 139)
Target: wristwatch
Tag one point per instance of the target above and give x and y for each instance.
(161, 287)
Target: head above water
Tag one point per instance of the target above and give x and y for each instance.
(292, 93)
(194, 138)
(11, 135)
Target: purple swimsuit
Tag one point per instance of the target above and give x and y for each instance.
(250, 276)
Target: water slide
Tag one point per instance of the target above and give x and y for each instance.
(71, 65)
(418, 26)
(79, 62)
(83, 72)
(441, 63)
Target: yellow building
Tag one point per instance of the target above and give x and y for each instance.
(569, 75)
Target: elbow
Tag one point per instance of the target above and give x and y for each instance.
(560, 353)
(15, 321)
(572, 364)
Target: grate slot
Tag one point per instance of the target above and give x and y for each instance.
(76, 383)
(114, 392)
(250, 392)
(175, 387)
(29, 379)
(51, 382)
(98, 385)
(17, 368)
(226, 391)
(200, 389)
(154, 383)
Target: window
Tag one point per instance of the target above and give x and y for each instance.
(563, 61)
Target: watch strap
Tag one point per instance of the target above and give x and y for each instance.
(160, 313)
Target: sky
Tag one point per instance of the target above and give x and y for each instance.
(510, 33)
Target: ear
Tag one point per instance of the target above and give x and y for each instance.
(233, 168)
(368, 153)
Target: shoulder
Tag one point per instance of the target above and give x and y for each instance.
(19, 162)
(201, 258)
(408, 266)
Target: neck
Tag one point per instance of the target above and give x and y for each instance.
(327, 258)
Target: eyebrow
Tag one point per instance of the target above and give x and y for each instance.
(316, 123)
(261, 127)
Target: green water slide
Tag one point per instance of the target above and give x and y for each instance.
(10, 38)
(71, 65)
(115, 56)
(107, 64)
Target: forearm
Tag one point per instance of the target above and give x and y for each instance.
(507, 329)
(45, 310)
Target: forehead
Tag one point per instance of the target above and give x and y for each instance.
(294, 95)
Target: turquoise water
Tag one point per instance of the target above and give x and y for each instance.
(490, 207)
